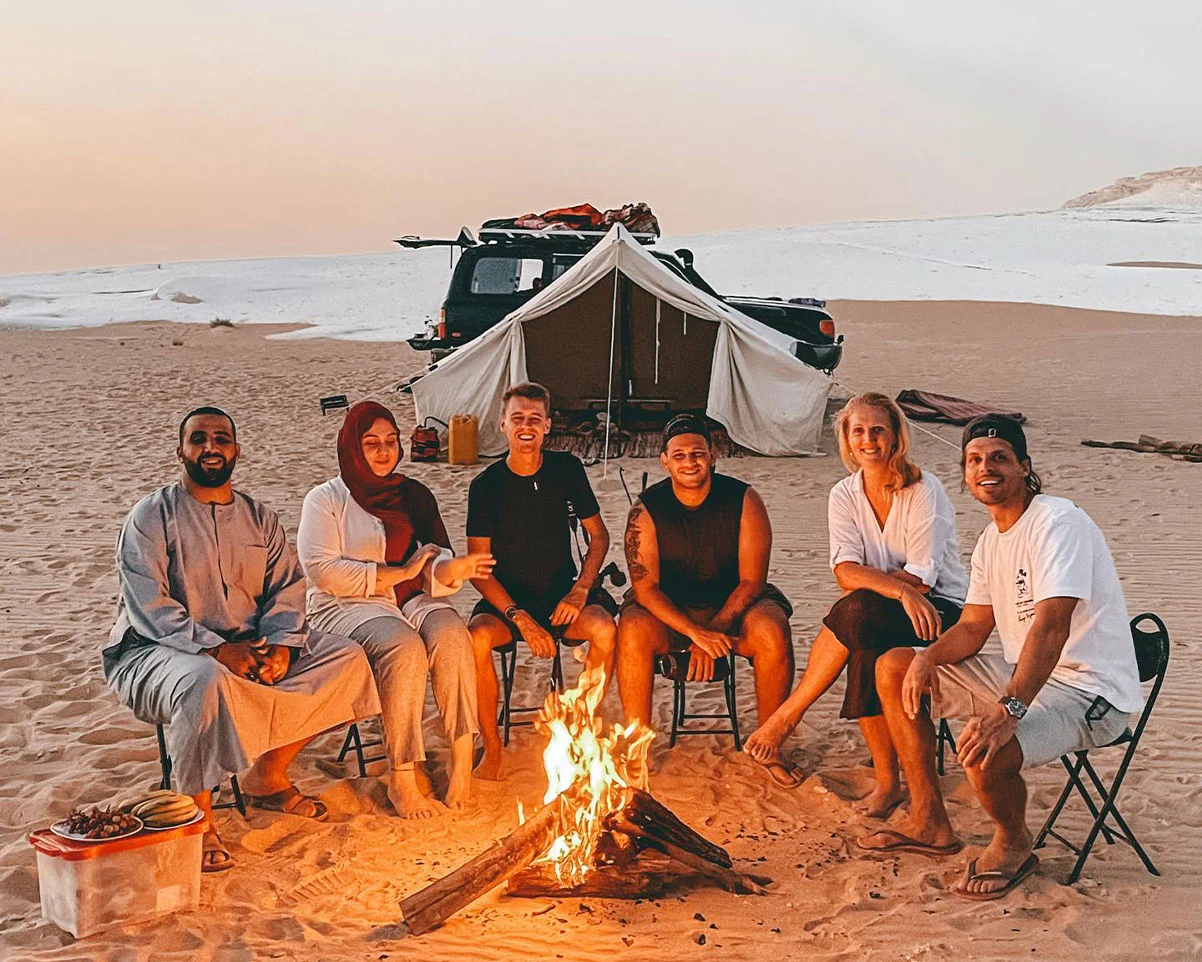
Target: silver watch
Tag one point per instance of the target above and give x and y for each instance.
(1014, 708)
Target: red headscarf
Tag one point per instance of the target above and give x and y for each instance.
(404, 505)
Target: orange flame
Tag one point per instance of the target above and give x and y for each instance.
(604, 769)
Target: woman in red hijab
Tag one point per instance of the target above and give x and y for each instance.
(379, 565)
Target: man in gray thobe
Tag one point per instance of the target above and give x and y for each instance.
(211, 640)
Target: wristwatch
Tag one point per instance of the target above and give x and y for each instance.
(511, 613)
(1014, 708)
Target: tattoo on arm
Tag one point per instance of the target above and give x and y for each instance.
(634, 561)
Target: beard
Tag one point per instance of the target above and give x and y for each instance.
(210, 477)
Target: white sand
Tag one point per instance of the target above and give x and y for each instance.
(90, 420)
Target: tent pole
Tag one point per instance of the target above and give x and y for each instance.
(658, 305)
(609, 391)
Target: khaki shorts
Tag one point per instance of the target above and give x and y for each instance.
(1062, 718)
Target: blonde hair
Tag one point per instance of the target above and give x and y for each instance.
(902, 471)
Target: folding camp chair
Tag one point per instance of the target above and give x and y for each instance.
(354, 742)
(509, 661)
(675, 666)
(1152, 656)
(165, 782)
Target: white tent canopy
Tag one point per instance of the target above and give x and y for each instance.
(768, 400)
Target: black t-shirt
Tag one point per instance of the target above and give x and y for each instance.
(527, 520)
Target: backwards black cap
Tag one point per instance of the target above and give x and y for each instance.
(996, 426)
(686, 424)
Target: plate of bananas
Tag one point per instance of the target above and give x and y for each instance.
(163, 810)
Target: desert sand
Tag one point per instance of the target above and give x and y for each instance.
(89, 427)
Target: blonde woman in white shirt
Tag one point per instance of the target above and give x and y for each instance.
(379, 563)
(893, 550)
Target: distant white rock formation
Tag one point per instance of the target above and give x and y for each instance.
(1179, 187)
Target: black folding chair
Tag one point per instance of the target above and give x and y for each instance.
(355, 742)
(1152, 656)
(509, 662)
(165, 782)
(675, 666)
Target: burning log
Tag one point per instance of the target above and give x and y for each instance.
(648, 877)
(439, 900)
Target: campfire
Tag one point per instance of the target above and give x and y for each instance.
(599, 832)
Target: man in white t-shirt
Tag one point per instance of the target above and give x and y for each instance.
(1066, 679)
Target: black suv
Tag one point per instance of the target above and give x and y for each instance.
(497, 274)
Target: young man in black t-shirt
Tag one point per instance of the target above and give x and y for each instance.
(519, 510)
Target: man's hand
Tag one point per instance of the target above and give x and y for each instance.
(986, 735)
(713, 643)
(923, 615)
(542, 645)
(568, 610)
(701, 665)
(241, 657)
(274, 662)
(921, 679)
(465, 567)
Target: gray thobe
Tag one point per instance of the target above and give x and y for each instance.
(194, 576)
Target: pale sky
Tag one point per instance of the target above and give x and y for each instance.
(135, 132)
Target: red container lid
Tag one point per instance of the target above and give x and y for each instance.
(46, 842)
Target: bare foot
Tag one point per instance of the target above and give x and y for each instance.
(880, 802)
(422, 776)
(921, 831)
(764, 743)
(491, 767)
(408, 799)
(459, 791)
(1000, 858)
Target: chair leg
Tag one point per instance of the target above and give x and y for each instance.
(557, 669)
(732, 705)
(1041, 838)
(677, 709)
(354, 743)
(1075, 780)
(164, 758)
(1110, 810)
(508, 670)
(943, 740)
(239, 801)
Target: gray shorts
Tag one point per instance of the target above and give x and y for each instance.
(1062, 718)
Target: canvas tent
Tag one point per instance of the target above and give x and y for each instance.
(619, 328)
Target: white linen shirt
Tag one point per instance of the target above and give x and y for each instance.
(341, 545)
(919, 535)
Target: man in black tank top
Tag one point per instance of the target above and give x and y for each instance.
(697, 546)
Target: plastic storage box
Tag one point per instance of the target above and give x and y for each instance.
(88, 886)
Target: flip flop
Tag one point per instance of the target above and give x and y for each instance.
(1012, 880)
(783, 775)
(904, 843)
(216, 845)
(278, 802)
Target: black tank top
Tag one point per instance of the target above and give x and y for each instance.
(698, 547)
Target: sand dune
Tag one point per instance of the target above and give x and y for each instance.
(91, 416)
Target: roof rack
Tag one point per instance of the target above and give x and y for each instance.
(513, 235)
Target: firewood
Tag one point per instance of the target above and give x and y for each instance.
(438, 901)
(646, 817)
(648, 877)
